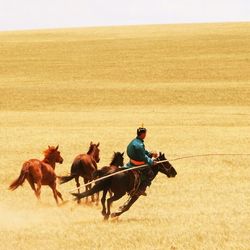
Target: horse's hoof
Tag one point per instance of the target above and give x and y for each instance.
(63, 203)
(106, 217)
(116, 218)
(113, 215)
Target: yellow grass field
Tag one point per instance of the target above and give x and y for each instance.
(188, 84)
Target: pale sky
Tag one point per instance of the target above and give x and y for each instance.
(41, 14)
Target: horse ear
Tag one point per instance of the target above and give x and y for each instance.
(91, 143)
(98, 144)
(122, 153)
(57, 147)
(159, 153)
(48, 147)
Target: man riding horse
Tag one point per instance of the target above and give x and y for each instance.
(139, 156)
(124, 182)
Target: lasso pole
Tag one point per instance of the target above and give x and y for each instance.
(118, 172)
(142, 166)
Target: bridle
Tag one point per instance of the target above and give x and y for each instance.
(163, 166)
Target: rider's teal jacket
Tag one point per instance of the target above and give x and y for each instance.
(136, 151)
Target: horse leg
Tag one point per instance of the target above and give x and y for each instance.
(59, 195)
(125, 206)
(97, 199)
(93, 195)
(38, 189)
(78, 185)
(31, 182)
(53, 187)
(109, 202)
(87, 187)
(110, 193)
(103, 200)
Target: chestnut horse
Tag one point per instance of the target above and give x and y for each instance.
(40, 173)
(84, 165)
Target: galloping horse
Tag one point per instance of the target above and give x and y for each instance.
(117, 161)
(123, 183)
(84, 165)
(41, 173)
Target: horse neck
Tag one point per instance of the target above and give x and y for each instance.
(49, 161)
(91, 153)
(155, 170)
(91, 150)
(114, 162)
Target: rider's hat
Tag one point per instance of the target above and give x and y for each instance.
(141, 130)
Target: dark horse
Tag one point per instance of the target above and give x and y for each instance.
(123, 183)
(40, 172)
(84, 165)
(117, 161)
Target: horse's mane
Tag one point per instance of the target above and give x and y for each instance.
(113, 158)
(91, 148)
(49, 151)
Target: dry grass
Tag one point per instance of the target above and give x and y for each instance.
(189, 84)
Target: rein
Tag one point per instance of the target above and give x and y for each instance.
(158, 162)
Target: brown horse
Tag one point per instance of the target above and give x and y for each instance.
(84, 165)
(41, 173)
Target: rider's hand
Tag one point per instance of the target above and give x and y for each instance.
(154, 154)
(154, 163)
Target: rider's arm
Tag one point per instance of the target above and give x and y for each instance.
(148, 160)
(149, 154)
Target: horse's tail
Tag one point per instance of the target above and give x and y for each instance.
(73, 173)
(99, 186)
(64, 179)
(20, 180)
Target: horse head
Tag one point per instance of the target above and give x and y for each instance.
(53, 155)
(117, 159)
(94, 151)
(165, 167)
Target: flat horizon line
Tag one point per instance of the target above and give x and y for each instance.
(119, 25)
